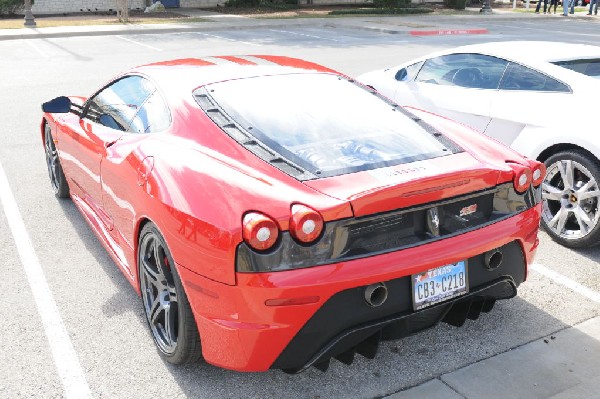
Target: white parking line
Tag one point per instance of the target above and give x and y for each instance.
(138, 43)
(225, 38)
(303, 34)
(63, 353)
(36, 48)
(567, 282)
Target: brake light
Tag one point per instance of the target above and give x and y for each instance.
(306, 224)
(259, 231)
(538, 172)
(522, 177)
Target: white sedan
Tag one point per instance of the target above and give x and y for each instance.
(540, 98)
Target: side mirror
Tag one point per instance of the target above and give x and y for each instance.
(401, 75)
(59, 105)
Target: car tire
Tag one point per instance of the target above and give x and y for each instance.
(55, 170)
(165, 303)
(571, 199)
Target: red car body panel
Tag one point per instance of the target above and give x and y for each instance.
(407, 185)
(196, 183)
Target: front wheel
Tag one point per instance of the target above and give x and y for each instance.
(166, 306)
(571, 199)
(55, 171)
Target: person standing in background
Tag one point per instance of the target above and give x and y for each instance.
(565, 4)
(539, 3)
(592, 3)
(552, 2)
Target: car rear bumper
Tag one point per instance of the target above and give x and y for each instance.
(239, 331)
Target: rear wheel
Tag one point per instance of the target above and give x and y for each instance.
(55, 171)
(166, 306)
(571, 199)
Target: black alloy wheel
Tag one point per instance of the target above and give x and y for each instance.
(166, 306)
(55, 171)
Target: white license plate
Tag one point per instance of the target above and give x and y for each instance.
(439, 284)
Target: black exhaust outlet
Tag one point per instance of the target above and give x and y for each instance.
(493, 259)
(376, 294)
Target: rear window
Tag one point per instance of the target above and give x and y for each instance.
(323, 123)
(590, 67)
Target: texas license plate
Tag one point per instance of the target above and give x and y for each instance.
(439, 284)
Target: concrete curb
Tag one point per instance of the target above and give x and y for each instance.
(104, 30)
(443, 32)
(561, 365)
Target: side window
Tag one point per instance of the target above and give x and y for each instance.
(153, 116)
(409, 72)
(518, 77)
(464, 70)
(588, 67)
(116, 105)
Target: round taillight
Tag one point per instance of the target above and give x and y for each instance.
(522, 179)
(306, 224)
(538, 173)
(259, 231)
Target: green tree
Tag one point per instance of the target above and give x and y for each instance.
(10, 6)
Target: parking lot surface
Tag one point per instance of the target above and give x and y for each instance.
(74, 327)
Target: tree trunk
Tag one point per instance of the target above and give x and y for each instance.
(123, 10)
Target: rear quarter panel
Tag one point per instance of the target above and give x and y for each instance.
(202, 184)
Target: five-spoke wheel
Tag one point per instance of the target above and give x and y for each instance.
(166, 306)
(55, 172)
(571, 197)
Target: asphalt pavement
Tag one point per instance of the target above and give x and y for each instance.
(426, 24)
(565, 364)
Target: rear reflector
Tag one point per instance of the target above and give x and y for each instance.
(292, 301)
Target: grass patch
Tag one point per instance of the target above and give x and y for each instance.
(382, 11)
(50, 22)
(136, 17)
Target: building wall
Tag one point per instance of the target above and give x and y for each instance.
(62, 6)
(69, 6)
(200, 3)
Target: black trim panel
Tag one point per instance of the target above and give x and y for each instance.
(346, 321)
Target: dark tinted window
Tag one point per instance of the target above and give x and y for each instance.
(116, 105)
(518, 77)
(323, 123)
(586, 67)
(465, 70)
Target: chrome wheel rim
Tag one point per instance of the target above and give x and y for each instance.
(159, 293)
(571, 198)
(52, 160)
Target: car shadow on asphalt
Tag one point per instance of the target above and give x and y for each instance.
(125, 299)
(592, 253)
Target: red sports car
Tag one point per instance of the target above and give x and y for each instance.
(273, 213)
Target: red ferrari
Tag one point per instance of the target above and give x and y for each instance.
(273, 213)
